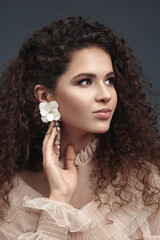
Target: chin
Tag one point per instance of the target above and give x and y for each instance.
(101, 130)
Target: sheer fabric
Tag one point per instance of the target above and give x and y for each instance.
(35, 223)
(33, 217)
(84, 156)
(64, 215)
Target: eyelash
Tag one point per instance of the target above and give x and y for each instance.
(112, 80)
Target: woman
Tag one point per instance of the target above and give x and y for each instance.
(86, 165)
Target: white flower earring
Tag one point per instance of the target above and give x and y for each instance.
(49, 112)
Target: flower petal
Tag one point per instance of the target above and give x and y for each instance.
(54, 111)
(48, 107)
(44, 119)
(43, 112)
(57, 117)
(54, 104)
(42, 105)
(50, 117)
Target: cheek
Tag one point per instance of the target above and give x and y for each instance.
(114, 99)
(71, 106)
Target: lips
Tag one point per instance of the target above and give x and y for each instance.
(104, 113)
(103, 110)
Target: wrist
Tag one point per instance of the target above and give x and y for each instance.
(59, 199)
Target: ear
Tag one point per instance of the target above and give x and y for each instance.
(42, 94)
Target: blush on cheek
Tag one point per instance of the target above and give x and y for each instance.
(70, 104)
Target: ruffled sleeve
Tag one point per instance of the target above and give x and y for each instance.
(55, 220)
(47, 230)
(63, 214)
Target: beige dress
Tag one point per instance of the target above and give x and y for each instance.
(33, 217)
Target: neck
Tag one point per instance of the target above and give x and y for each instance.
(76, 138)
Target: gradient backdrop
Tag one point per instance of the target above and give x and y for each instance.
(138, 21)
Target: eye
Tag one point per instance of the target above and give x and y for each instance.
(84, 82)
(110, 81)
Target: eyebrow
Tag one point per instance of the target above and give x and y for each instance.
(91, 75)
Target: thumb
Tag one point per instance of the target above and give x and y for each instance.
(70, 157)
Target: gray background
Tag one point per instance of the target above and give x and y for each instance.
(138, 21)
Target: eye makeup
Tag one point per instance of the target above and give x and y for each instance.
(87, 81)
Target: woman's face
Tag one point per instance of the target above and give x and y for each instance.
(85, 88)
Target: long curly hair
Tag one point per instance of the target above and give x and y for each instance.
(132, 141)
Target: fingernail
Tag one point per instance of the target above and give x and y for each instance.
(52, 124)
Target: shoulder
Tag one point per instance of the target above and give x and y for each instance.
(149, 173)
(144, 184)
(19, 218)
(154, 176)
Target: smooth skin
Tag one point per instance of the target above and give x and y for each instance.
(85, 87)
(62, 183)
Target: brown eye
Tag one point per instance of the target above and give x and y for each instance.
(110, 81)
(84, 82)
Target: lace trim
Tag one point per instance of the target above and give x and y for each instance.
(84, 156)
(63, 214)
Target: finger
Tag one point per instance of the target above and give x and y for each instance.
(49, 152)
(70, 158)
(51, 138)
(51, 147)
(51, 125)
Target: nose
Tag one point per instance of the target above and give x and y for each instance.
(103, 94)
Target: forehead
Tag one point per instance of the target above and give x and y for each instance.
(90, 59)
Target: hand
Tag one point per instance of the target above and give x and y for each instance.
(62, 182)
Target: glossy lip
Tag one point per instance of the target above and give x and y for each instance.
(103, 113)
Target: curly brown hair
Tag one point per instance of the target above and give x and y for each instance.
(133, 139)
